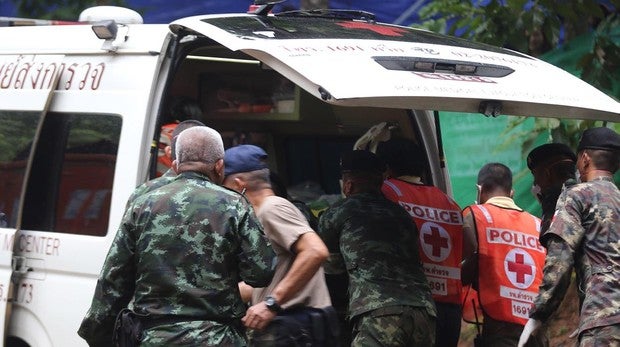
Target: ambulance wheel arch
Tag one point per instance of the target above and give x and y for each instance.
(31, 331)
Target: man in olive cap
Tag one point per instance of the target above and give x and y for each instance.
(375, 241)
(585, 234)
(552, 165)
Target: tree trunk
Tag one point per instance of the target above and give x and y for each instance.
(314, 4)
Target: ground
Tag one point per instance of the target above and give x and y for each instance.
(560, 327)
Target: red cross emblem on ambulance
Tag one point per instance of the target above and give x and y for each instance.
(379, 29)
(520, 268)
(435, 241)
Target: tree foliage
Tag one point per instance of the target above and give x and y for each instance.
(509, 23)
(314, 4)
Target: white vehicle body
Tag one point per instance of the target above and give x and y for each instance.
(82, 114)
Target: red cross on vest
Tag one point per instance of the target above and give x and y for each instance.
(436, 241)
(519, 267)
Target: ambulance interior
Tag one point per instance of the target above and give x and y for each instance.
(249, 103)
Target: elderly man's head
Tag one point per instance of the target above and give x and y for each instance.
(201, 149)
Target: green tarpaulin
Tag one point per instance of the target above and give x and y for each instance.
(470, 141)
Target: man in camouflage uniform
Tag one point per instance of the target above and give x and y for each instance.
(552, 165)
(585, 234)
(170, 174)
(375, 240)
(178, 255)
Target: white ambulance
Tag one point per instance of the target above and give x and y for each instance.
(81, 108)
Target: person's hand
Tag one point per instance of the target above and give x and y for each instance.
(530, 327)
(258, 316)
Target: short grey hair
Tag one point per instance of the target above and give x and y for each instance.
(199, 144)
(256, 180)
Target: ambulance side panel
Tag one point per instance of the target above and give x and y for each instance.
(89, 156)
(25, 110)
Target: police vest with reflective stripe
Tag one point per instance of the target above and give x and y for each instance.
(510, 262)
(440, 225)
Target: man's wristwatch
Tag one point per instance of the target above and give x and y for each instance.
(272, 304)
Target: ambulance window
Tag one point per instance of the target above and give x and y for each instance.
(17, 129)
(70, 186)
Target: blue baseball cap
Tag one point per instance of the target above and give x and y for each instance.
(244, 158)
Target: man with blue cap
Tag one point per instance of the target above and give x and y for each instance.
(282, 310)
(585, 235)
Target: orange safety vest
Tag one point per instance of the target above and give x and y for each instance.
(510, 262)
(165, 139)
(440, 225)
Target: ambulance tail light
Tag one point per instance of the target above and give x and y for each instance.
(105, 30)
(107, 21)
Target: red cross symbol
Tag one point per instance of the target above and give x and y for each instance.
(436, 241)
(520, 268)
(379, 29)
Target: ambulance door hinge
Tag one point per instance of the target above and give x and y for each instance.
(325, 95)
(490, 108)
(19, 266)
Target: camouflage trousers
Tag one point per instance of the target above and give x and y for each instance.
(394, 326)
(608, 336)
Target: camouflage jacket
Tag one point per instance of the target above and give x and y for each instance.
(377, 242)
(584, 234)
(153, 184)
(180, 250)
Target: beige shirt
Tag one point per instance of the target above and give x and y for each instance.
(284, 224)
(503, 202)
